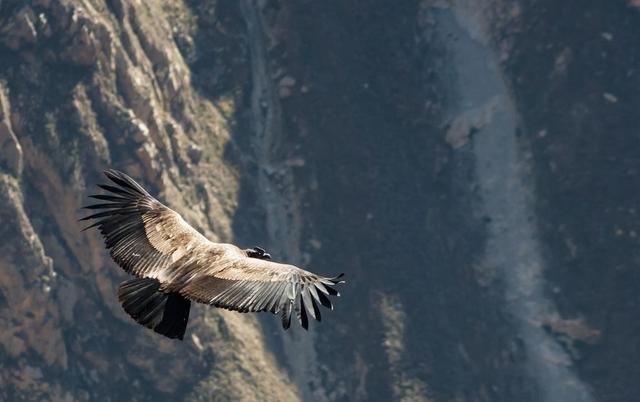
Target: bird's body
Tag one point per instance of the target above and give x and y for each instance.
(173, 264)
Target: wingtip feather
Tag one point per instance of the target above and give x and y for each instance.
(338, 279)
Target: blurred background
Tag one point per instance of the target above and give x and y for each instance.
(472, 166)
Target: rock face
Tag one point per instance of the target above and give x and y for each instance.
(470, 165)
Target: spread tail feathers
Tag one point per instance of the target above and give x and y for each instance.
(165, 313)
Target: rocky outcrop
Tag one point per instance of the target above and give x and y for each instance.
(11, 157)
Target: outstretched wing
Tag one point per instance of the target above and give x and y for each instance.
(250, 284)
(149, 240)
(142, 235)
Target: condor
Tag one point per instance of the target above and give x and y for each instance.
(174, 264)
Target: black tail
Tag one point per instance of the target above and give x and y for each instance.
(165, 313)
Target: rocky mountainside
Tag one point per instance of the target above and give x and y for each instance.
(470, 165)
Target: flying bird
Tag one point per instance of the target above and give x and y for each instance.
(173, 264)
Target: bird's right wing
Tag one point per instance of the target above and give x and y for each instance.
(250, 284)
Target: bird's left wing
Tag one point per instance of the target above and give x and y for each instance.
(143, 236)
(250, 284)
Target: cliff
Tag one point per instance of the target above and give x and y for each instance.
(471, 166)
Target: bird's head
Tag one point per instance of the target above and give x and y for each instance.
(257, 252)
